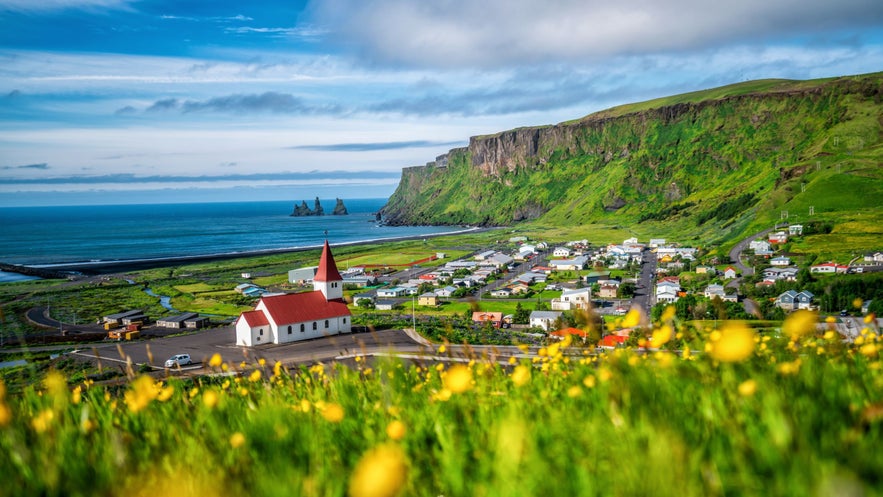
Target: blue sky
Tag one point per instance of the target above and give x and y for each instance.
(134, 101)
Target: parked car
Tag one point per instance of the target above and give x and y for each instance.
(179, 360)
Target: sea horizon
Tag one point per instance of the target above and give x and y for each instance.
(44, 236)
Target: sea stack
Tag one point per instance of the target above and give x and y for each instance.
(339, 209)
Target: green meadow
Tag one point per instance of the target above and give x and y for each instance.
(740, 414)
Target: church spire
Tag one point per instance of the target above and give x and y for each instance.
(327, 270)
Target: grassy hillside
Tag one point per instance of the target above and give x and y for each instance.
(706, 164)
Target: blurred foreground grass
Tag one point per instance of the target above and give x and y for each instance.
(748, 415)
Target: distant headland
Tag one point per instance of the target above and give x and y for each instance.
(304, 210)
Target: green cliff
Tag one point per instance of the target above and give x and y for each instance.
(723, 160)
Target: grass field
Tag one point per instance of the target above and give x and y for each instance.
(791, 417)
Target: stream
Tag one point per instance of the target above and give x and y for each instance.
(164, 300)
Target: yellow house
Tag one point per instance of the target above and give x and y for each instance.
(428, 299)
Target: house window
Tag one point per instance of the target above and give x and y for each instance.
(261, 331)
(326, 323)
(289, 329)
(344, 320)
(315, 325)
(302, 328)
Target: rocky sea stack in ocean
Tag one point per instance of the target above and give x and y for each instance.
(304, 210)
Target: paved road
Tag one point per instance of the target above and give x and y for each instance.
(736, 255)
(644, 298)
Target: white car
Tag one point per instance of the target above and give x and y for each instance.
(179, 360)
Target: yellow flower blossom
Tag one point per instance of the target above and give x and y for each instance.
(661, 336)
(869, 349)
(43, 420)
(237, 440)
(5, 414)
(857, 303)
(442, 349)
(77, 395)
(262, 362)
(521, 375)
(513, 360)
(277, 368)
(194, 392)
(215, 361)
(747, 388)
(210, 398)
(458, 379)
(830, 335)
(255, 376)
(396, 430)
(381, 472)
(799, 323)
(589, 381)
(869, 318)
(165, 393)
(443, 395)
(632, 318)
(333, 413)
(734, 344)
(140, 393)
(788, 368)
(574, 391)
(669, 313)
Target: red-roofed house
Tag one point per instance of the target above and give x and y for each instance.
(299, 316)
(569, 331)
(612, 341)
(495, 318)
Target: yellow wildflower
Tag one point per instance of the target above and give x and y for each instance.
(55, 384)
(396, 430)
(277, 368)
(458, 379)
(869, 349)
(381, 472)
(215, 361)
(521, 375)
(869, 318)
(442, 349)
(735, 343)
(5, 413)
(210, 398)
(632, 318)
(142, 391)
(747, 388)
(305, 405)
(237, 440)
(574, 391)
(333, 413)
(661, 336)
(165, 393)
(669, 313)
(262, 362)
(194, 392)
(800, 323)
(255, 376)
(513, 360)
(589, 381)
(77, 394)
(857, 303)
(43, 420)
(443, 395)
(789, 367)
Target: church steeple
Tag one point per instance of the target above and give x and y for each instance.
(328, 279)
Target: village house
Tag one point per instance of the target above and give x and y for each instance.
(302, 275)
(829, 267)
(385, 305)
(484, 255)
(729, 273)
(575, 264)
(544, 319)
(428, 299)
(502, 293)
(446, 292)
(875, 258)
(783, 273)
(667, 291)
(390, 292)
(778, 237)
(795, 229)
(656, 242)
(578, 298)
(362, 296)
(608, 291)
(714, 290)
(482, 318)
(561, 252)
(299, 316)
(792, 300)
(780, 261)
(704, 269)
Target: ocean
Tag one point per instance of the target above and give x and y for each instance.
(46, 236)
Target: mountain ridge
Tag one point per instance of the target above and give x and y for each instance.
(683, 155)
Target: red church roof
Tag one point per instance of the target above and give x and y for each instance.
(255, 318)
(301, 307)
(327, 268)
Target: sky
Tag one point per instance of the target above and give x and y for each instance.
(154, 101)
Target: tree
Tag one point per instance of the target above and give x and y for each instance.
(541, 306)
(521, 315)
(627, 290)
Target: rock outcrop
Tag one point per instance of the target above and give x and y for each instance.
(339, 209)
(304, 210)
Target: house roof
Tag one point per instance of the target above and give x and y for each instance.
(569, 331)
(327, 268)
(545, 314)
(300, 307)
(612, 341)
(255, 318)
(487, 316)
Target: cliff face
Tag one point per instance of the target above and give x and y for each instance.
(687, 155)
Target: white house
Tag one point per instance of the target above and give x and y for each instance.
(484, 255)
(756, 245)
(712, 291)
(795, 229)
(778, 237)
(729, 273)
(391, 292)
(829, 267)
(792, 300)
(299, 316)
(577, 298)
(656, 242)
(562, 252)
(544, 319)
(780, 261)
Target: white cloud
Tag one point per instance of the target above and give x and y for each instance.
(490, 33)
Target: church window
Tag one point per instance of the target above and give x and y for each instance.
(289, 329)
(326, 323)
(302, 328)
(315, 325)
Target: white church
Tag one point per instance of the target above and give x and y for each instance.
(299, 316)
